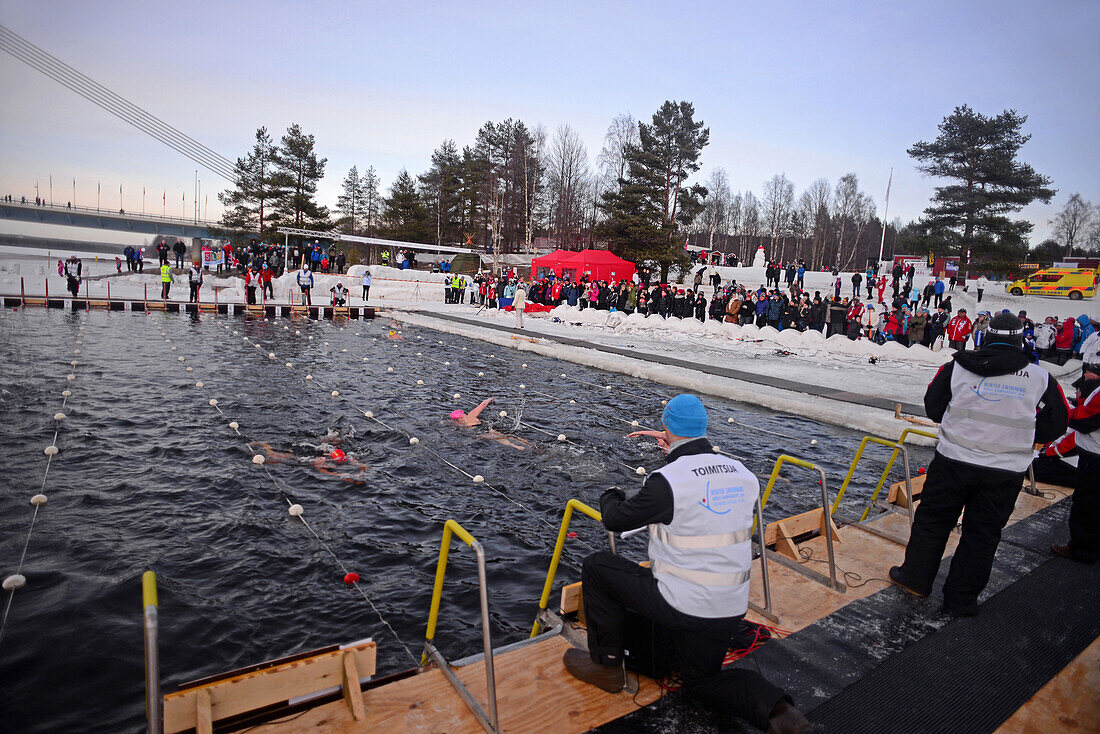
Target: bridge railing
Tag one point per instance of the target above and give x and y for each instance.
(107, 211)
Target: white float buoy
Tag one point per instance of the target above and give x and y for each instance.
(310, 337)
(335, 394)
(389, 369)
(198, 384)
(446, 364)
(522, 387)
(634, 423)
(640, 470)
(326, 344)
(59, 416)
(524, 365)
(729, 420)
(213, 402)
(295, 510)
(561, 436)
(419, 382)
(38, 500)
(76, 351)
(664, 402)
(73, 363)
(458, 395)
(368, 414)
(418, 354)
(234, 425)
(563, 374)
(481, 374)
(607, 387)
(189, 369)
(66, 393)
(414, 441)
(366, 359)
(290, 365)
(297, 332)
(172, 349)
(813, 442)
(716, 449)
(572, 402)
(309, 377)
(70, 377)
(180, 359)
(271, 355)
(258, 459)
(343, 350)
(15, 581)
(478, 479)
(50, 451)
(463, 348)
(503, 414)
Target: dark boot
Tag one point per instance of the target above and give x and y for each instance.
(899, 579)
(786, 719)
(608, 677)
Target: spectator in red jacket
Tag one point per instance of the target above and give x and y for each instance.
(1063, 342)
(265, 280)
(958, 330)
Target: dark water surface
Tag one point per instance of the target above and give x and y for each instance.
(150, 476)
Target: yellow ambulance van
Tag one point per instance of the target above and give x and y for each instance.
(1074, 283)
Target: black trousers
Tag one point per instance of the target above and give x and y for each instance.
(194, 292)
(1084, 514)
(250, 294)
(366, 292)
(612, 583)
(179, 261)
(269, 289)
(989, 496)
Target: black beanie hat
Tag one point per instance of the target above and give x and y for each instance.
(1004, 328)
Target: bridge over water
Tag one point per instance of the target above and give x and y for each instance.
(75, 216)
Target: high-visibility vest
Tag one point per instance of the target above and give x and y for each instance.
(701, 560)
(165, 274)
(990, 421)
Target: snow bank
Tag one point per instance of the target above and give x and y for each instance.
(848, 415)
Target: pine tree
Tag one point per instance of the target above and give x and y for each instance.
(406, 217)
(299, 171)
(248, 205)
(372, 200)
(979, 154)
(350, 202)
(654, 201)
(441, 188)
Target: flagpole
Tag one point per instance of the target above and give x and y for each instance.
(885, 208)
(51, 189)
(74, 191)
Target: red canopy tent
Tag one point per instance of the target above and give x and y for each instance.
(599, 264)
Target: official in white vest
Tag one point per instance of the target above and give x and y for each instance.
(699, 509)
(992, 405)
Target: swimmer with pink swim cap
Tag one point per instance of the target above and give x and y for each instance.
(471, 418)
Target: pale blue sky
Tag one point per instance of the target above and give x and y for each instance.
(806, 89)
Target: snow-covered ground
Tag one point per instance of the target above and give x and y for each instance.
(897, 374)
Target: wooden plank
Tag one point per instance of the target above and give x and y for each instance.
(570, 598)
(534, 694)
(204, 717)
(784, 543)
(1067, 703)
(353, 694)
(256, 689)
(795, 525)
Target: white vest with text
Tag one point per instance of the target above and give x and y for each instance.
(701, 560)
(990, 421)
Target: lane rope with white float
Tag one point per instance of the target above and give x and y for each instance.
(17, 580)
(295, 509)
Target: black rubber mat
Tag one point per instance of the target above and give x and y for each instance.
(973, 673)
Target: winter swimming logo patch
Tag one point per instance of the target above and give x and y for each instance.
(994, 391)
(720, 500)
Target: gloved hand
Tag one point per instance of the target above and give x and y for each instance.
(615, 495)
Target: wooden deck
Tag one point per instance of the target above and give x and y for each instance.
(534, 694)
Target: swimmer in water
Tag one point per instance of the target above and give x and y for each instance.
(471, 419)
(335, 464)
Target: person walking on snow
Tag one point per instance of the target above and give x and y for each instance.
(519, 302)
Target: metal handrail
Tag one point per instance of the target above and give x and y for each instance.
(573, 504)
(152, 657)
(451, 528)
(855, 462)
(827, 513)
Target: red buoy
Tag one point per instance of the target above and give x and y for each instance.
(572, 534)
(921, 470)
(350, 578)
(338, 456)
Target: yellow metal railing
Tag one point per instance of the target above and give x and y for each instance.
(452, 528)
(783, 459)
(152, 656)
(895, 445)
(571, 505)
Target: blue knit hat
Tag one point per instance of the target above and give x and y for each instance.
(685, 416)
